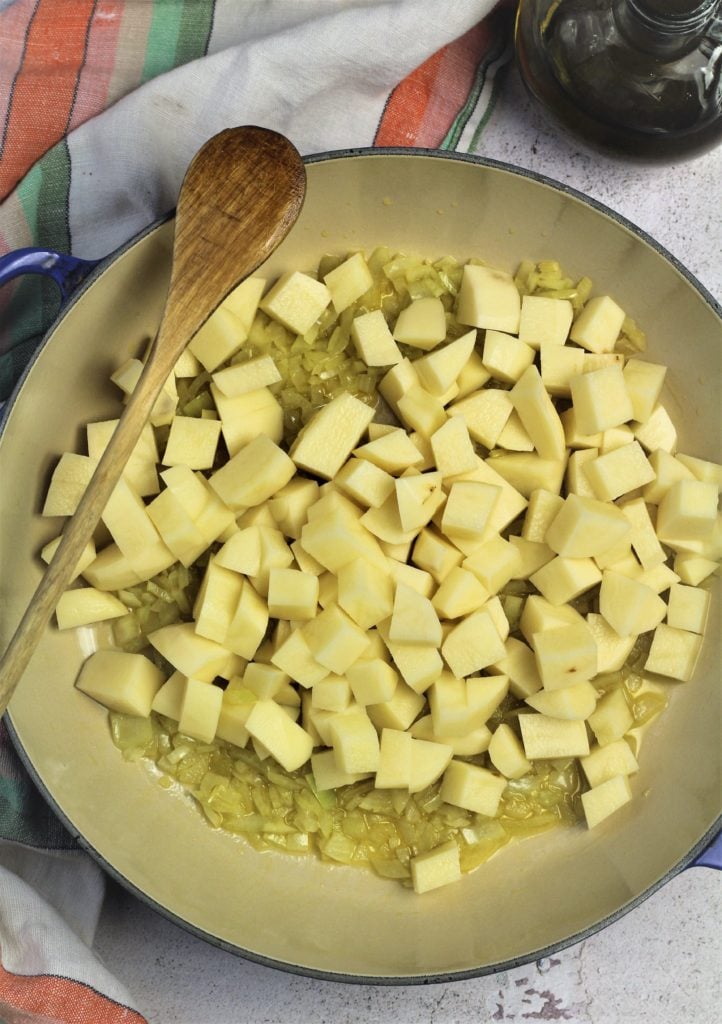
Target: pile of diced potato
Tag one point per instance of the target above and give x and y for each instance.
(354, 598)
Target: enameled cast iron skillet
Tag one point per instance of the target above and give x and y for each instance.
(296, 913)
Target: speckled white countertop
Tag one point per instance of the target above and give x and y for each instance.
(660, 964)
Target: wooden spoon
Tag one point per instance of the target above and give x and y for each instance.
(240, 197)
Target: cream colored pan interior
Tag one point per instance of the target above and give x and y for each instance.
(301, 913)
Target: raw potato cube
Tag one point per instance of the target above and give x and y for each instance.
(168, 700)
(251, 375)
(192, 442)
(603, 763)
(474, 742)
(327, 775)
(473, 644)
(294, 657)
(673, 652)
(364, 593)
(601, 801)
(88, 555)
(242, 552)
(485, 414)
(421, 324)
(453, 451)
(421, 411)
(330, 435)
(473, 788)
(394, 769)
(601, 400)
(533, 556)
(187, 365)
(289, 506)
(177, 529)
(439, 370)
(435, 868)
(528, 472)
(584, 527)
(514, 436)
(693, 569)
(365, 482)
(418, 498)
(400, 711)
(220, 336)
(659, 432)
(507, 754)
(565, 655)
(67, 485)
(612, 718)
(111, 570)
(474, 375)
(643, 536)
(505, 357)
(127, 376)
(543, 507)
(253, 474)
(243, 300)
(577, 701)
(619, 471)
(287, 741)
(459, 594)
(519, 665)
(355, 741)
(546, 738)
(140, 469)
(265, 682)
(122, 682)
(544, 320)
(372, 681)
(130, 526)
(559, 364)
(292, 594)
(244, 417)
(200, 710)
(598, 325)
(334, 539)
(348, 281)
(628, 605)
(393, 452)
(687, 608)
(488, 298)
(511, 503)
(397, 381)
(563, 579)
(644, 386)
(429, 760)
(702, 469)
(248, 624)
(687, 512)
(331, 694)
(612, 649)
(494, 563)
(232, 722)
(373, 340)
(296, 301)
(668, 469)
(572, 434)
(468, 509)
(85, 605)
(537, 413)
(335, 641)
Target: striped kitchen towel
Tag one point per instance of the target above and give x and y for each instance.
(102, 105)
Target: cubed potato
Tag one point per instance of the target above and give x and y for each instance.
(292, 594)
(519, 665)
(584, 527)
(121, 681)
(575, 478)
(334, 639)
(434, 554)
(644, 386)
(436, 867)
(577, 701)
(601, 801)
(563, 579)
(293, 656)
(243, 300)
(702, 469)
(200, 710)
(473, 788)
(372, 681)
(538, 414)
(176, 528)
(421, 411)
(86, 558)
(565, 655)
(488, 298)
(601, 400)
(658, 432)
(507, 754)
(242, 552)
(538, 615)
(506, 357)
(168, 700)
(394, 767)
(397, 381)
(603, 763)
(468, 510)
(83, 606)
(544, 320)
(559, 364)
(418, 664)
(419, 579)
(612, 649)
(289, 506)
(612, 717)
(327, 775)
(687, 513)
(533, 556)
(429, 760)
(452, 447)
(287, 741)
(620, 471)
(140, 469)
(67, 485)
(296, 301)
(385, 523)
(474, 375)
(573, 435)
(476, 741)
(421, 324)
(348, 281)
(331, 434)
(628, 605)
(334, 539)
(355, 741)
(674, 652)
(668, 470)
(393, 452)
(216, 602)
(494, 563)
(131, 528)
(598, 325)
(332, 693)
(543, 507)
(249, 375)
(248, 624)
(111, 570)
(545, 738)
(439, 370)
(373, 340)
(218, 339)
(365, 593)
(418, 498)
(187, 365)
(514, 437)
(693, 569)
(364, 482)
(485, 414)
(461, 593)
(400, 711)
(643, 536)
(127, 376)
(253, 474)
(244, 417)
(265, 682)
(688, 607)
(473, 644)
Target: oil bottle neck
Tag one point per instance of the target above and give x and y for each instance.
(666, 29)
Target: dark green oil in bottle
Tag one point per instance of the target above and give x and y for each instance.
(639, 77)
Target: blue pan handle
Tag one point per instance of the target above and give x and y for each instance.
(66, 271)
